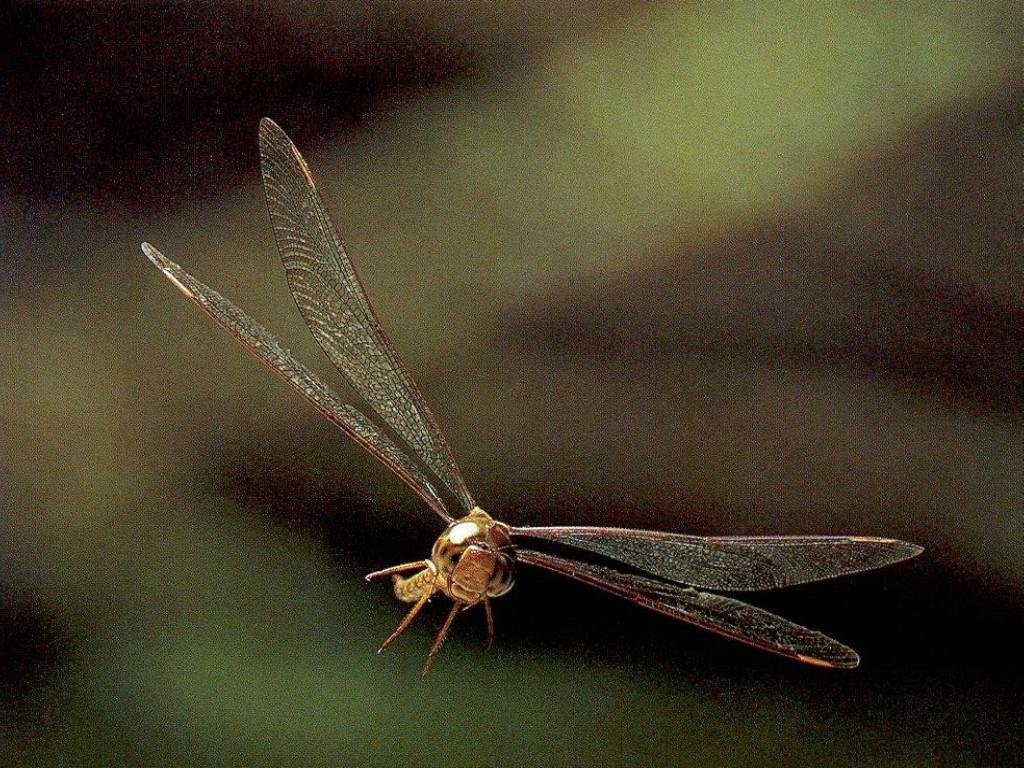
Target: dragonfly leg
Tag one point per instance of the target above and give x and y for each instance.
(427, 593)
(490, 622)
(396, 569)
(441, 636)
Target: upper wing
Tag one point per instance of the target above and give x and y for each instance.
(334, 305)
(718, 613)
(732, 563)
(259, 341)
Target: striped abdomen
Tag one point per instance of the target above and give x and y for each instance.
(412, 589)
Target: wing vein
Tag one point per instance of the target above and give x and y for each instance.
(331, 298)
(717, 613)
(731, 563)
(258, 341)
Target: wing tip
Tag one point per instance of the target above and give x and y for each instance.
(273, 142)
(848, 660)
(901, 550)
(272, 138)
(910, 549)
(168, 267)
(268, 126)
(153, 254)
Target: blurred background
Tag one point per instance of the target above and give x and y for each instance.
(707, 268)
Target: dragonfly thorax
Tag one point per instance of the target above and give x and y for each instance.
(472, 558)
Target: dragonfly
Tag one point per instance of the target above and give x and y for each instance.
(475, 558)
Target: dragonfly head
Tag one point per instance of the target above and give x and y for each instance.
(471, 560)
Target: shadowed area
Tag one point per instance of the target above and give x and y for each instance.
(130, 82)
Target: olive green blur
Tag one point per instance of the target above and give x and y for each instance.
(709, 268)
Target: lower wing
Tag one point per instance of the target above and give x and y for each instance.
(717, 613)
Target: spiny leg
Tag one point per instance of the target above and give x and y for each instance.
(397, 569)
(439, 641)
(408, 617)
(490, 622)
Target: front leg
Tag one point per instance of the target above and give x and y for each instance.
(407, 620)
(398, 569)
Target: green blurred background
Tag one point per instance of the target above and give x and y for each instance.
(702, 267)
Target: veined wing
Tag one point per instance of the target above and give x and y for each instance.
(334, 305)
(731, 563)
(261, 343)
(717, 613)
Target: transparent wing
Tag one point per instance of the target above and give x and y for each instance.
(732, 563)
(334, 305)
(717, 613)
(259, 341)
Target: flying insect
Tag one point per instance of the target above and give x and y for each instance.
(474, 559)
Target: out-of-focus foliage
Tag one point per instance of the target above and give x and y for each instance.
(716, 269)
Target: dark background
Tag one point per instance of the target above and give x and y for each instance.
(702, 268)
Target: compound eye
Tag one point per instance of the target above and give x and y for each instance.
(503, 577)
(453, 542)
(446, 554)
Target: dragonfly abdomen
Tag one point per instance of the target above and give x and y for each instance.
(411, 589)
